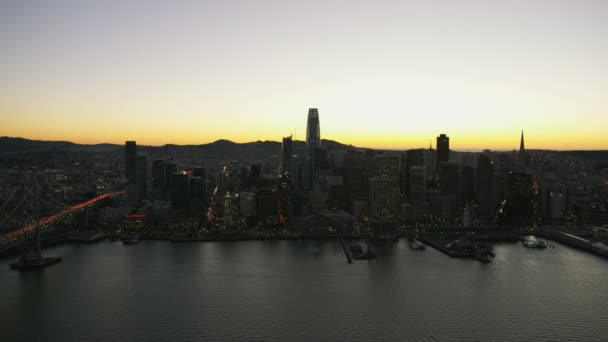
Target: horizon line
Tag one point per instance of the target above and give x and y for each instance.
(462, 150)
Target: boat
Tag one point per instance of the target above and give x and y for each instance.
(416, 245)
(533, 243)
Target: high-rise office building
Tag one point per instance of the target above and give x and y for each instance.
(389, 164)
(159, 176)
(521, 157)
(313, 143)
(430, 161)
(254, 176)
(142, 177)
(131, 161)
(286, 155)
(415, 157)
(223, 181)
(198, 192)
(519, 205)
(484, 188)
(449, 173)
(313, 129)
(443, 149)
(383, 200)
(180, 190)
(467, 184)
(247, 204)
(171, 168)
(417, 181)
(449, 184)
(359, 167)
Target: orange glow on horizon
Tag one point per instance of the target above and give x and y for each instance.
(458, 140)
(390, 75)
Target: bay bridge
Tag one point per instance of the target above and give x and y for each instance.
(27, 197)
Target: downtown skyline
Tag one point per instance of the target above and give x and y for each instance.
(321, 170)
(390, 76)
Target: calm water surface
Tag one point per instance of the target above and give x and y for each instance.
(303, 291)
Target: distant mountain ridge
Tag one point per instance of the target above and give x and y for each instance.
(219, 147)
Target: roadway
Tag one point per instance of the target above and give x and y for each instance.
(48, 220)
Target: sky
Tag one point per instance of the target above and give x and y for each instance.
(385, 74)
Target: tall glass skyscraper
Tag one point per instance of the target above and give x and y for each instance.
(313, 129)
(313, 142)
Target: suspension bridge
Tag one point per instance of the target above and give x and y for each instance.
(31, 197)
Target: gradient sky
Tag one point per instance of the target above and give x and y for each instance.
(390, 74)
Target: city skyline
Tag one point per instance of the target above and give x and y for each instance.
(390, 75)
(322, 170)
(431, 143)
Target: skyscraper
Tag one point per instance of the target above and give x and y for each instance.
(286, 155)
(142, 177)
(159, 175)
(389, 165)
(519, 206)
(417, 182)
(443, 149)
(448, 174)
(359, 167)
(180, 190)
(521, 158)
(485, 188)
(313, 142)
(383, 200)
(414, 158)
(130, 160)
(313, 129)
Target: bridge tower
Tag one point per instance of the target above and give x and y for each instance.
(32, 258)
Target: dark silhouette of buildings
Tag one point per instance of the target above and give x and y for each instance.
(180, 190)
(130, 160)
(417, 182)
(521, 157)
(467, 181)
(142, 178)
(159, 176)
(359, 167)
(414, 158)
(518, 209)
(485, 188)
(313, 143)
(286, 155)
(198, 190)
(443, 149)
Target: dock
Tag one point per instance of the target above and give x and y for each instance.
(575, 241)
(440, 245)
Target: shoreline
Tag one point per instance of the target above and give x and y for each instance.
(430, 239)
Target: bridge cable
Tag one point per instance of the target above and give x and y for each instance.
(18, 205)
(9, 198)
